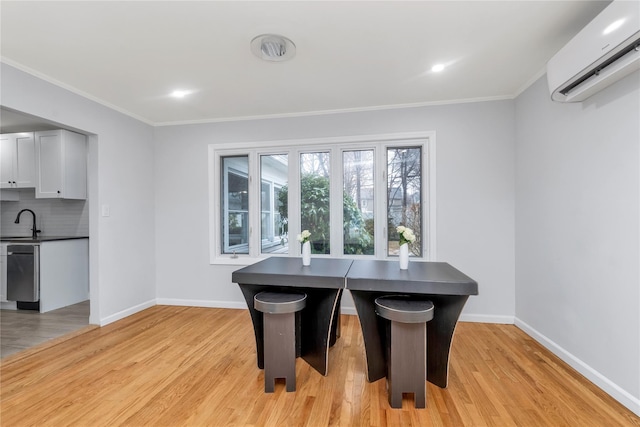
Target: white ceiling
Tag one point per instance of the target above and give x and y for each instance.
(351, 55)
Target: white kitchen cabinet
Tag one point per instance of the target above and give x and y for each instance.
(17, 160)
(64, 273)
(61, 165)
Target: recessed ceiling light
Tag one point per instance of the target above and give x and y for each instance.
(437, 68)
(180, 93)
(272, 47)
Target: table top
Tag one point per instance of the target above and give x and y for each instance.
(360, 275)
(420, 278)
(289, 271)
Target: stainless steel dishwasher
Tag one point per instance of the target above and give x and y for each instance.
(23, 273)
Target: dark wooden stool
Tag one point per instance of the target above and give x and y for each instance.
(279, 331)
(407, 351)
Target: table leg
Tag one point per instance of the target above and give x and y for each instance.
(317, 326)
(372, 334)
(440, 330)
(316, 329)
(336, 325)
(249, 291)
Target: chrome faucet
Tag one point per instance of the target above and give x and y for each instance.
(35, 231)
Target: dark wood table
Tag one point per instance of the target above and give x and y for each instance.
(323, 282)
(439, 282)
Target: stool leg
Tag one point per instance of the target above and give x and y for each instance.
(279, 350)
(407, 369)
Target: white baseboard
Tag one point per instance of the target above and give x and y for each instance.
(8, 305)
(128, 312)
(608, 386)
(345, 309)
(225, 304)
(487, 318)
(201, 303)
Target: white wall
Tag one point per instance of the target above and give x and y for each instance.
(121, 174)
(475, 196)
(577, 231)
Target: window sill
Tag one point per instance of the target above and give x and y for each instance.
(244, 260)
(248, 260)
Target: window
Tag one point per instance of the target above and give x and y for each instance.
(273, 225)
(350, 193)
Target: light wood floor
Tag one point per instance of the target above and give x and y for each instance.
(187, 366)
(22, 329)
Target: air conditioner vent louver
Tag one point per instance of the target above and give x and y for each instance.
(632, 49)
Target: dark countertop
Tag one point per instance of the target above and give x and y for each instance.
(289, 271)
(40, 239)
(361, 275)
(421, 278)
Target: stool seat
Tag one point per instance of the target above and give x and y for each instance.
(404, 309)
(279, 302)
(279, 332)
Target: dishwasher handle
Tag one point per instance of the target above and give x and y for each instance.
(21, 249)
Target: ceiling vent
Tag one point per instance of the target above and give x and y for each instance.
(273, 48)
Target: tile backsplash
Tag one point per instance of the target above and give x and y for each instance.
(55, 217)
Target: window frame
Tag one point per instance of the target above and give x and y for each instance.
(336, 146)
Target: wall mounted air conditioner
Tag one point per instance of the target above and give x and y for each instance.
(604, 51)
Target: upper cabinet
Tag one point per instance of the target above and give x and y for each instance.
(17, 160)
(61, 165)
